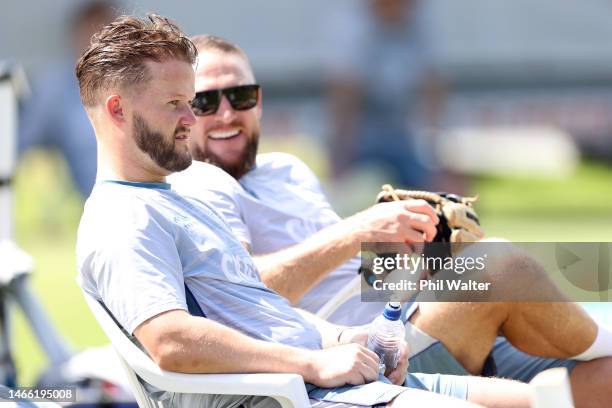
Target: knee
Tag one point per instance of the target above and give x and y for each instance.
(512, 272)
(510, 264)
(501, 256)
(460, 312)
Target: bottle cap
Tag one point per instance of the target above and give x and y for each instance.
(393, 311)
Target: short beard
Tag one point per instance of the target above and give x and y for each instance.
(163, 153)
(241, 167)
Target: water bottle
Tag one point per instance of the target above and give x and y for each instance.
(386, 333)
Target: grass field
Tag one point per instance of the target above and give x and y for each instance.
(47, 210)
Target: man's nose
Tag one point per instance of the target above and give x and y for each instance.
(188, 118)
(225, 111)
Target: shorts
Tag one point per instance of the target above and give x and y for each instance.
(382, 391)
(374, 394)
(429, 355)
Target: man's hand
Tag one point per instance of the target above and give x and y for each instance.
(397, 221)
(360, 336)
(397, 375)
(345, 364)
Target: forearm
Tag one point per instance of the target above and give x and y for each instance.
(330, 333)
(188, 344)
(293, 271)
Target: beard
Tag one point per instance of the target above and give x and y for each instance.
(162, 152)
(238, 168)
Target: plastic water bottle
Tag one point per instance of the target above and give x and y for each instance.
(386, 333)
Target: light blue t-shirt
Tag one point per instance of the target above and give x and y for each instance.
(138, 243)
(279, 203)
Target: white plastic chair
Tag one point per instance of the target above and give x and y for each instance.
(287, 389)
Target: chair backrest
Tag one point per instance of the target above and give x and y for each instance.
(129, 354)
(287, 389)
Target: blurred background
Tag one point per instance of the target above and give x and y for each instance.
(508, 100)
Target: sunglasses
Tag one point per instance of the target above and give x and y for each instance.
(243, 97)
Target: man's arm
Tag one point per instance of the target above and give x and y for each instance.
(295, 270)
(180, 342)
(335, 335)
(330, 333)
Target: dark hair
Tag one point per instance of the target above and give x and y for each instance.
(206, 42)
(118, 52)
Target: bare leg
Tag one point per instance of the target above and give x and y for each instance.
(482, 392)
(557, 330)
(498, 393)
(470, 343)
(468, 330)
(419, 398)
(592, 383)
(544, 329)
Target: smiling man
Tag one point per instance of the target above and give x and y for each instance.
(306, 253)
(231, 140)
(141, 247)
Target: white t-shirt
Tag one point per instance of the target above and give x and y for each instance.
(279, 203)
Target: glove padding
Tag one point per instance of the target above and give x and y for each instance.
(459, 223)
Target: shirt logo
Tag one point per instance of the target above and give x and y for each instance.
(239, 269)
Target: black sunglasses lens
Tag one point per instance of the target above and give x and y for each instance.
(242, 97)
(205, 103)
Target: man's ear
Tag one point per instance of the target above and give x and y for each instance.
(114, 108)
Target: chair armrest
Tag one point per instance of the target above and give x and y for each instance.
(290, 386)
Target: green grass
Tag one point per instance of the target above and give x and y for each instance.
(47, 211)
(577, 208)
(587, 192)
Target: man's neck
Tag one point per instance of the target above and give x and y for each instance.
(118, 167)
